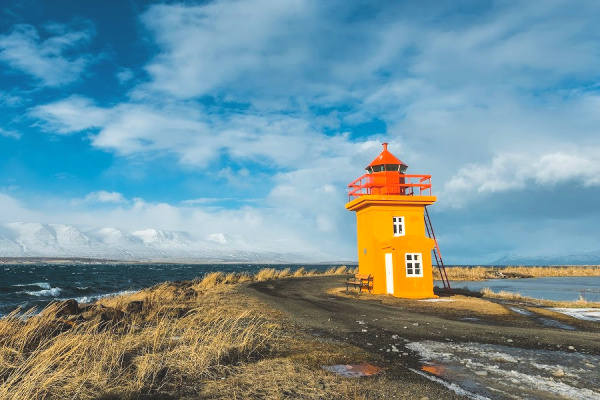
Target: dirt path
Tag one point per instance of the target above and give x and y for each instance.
(383, 325)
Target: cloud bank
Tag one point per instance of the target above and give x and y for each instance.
(269, 110)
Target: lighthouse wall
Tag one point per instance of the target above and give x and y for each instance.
(375, 239)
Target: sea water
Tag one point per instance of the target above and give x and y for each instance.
(28, 286)
(550, 288)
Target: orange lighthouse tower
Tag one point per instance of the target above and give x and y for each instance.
(395, 237)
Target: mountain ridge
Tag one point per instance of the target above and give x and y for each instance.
(32, 239)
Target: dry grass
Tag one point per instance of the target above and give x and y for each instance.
(504, 295)
(176, 340)
(145, 353)
(213, 279)
(483, 273)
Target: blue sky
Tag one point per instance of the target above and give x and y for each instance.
(251, 117)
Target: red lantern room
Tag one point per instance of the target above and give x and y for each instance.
(386, 176)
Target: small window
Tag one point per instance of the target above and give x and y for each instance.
(414, 265)
(398, 226)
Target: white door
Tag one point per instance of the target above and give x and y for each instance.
(389, 273)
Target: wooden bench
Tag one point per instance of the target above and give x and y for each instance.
(360, 281)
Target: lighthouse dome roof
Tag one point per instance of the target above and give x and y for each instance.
(386, 158)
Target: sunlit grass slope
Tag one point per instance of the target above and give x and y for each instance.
(175, 340)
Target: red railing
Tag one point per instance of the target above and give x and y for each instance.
(390, 184)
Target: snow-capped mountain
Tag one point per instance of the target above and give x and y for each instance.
(587, 258)
(21, 239)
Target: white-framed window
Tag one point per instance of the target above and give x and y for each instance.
(414, 264)
(398, 226)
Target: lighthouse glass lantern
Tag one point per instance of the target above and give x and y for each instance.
(393, 245)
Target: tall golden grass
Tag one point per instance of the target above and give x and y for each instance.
(483, 273)
(130, 358)
(215, 278)
(191, 339)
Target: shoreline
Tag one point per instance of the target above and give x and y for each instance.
(295, 326)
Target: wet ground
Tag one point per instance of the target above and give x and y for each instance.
(463, 348)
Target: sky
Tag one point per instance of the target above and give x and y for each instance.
(251, 117)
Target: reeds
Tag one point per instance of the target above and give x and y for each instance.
(213, 279)
(180, 335)
(482, 273)
(137, 355)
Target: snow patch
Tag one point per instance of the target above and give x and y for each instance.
(508, 372)
(586, 314)
(220, 238)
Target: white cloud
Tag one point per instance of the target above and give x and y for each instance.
(10, 134)
(194, 137)
(103, 196)
(217, 43)
(470, 98)
(10, 100)
(124, 75)
(523, 171)
(48, 60)
(73, 114)
(11, 209)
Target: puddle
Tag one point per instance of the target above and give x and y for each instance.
(549, 322)
(353, 370)
(521, 311)
(552, 323)
(500, 372)
(586, 314)
(437, 300)
(452, 386)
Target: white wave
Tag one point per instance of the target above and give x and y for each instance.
(42, 285)
(94, 298)
(53, 292)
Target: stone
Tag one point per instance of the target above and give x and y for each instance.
(134, 307)
(65, 308)
(559, 373)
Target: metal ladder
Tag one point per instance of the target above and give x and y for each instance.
(436, 253)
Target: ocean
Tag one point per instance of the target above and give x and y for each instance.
(36, 285)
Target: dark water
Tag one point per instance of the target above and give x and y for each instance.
(29, 286)
(550, 288)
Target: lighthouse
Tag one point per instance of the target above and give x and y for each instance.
(394, 234)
